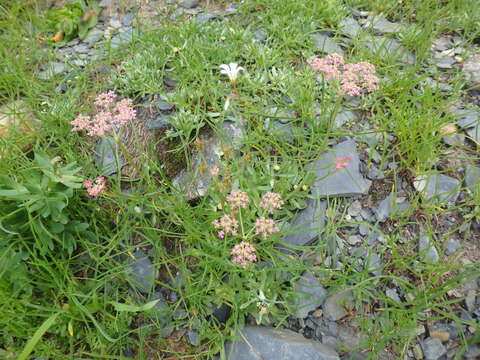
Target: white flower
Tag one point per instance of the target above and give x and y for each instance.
(231, 70)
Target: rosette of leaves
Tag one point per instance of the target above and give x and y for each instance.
(72, 20)
(35, 206)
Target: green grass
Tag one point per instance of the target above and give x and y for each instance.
(74, 294)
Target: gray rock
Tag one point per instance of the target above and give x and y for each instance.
(344, 182)
(105, 3)
(127, 19)
(454, 140)
(389, 207)
(162, 104)
(189, 4)
(105, 157)
(474, 133)
(452, 245)
(437, 188)
(307, 224)
(93, 36)
(221, 313)
(193, 337)
(280, 130)
(333, 308)
(52, 69)
(263, 343)
(194, 181)
(363, 229)
(467, 118)
(473, 352)
(122, 39)
(393, 294)
(355, 208)
(81, 48)
(309, 295)
(204, 18)
(326, 44)
(373, 264)
(445, 63)
(387, 47)
(343, 117)
(472, 178)
(161, 122)
(443, 43)
(433, 348)
(260, 35)
(426, 246)
(350, 27)
(471, 70)
(354, 240)
(161, 314)
(382, 26)
(140, 272)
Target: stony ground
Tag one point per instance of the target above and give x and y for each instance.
(376, 260)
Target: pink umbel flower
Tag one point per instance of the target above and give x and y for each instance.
(359, 77)
(104, 100)
(226, 224)
(214, 170)
(244, 253)
(238, 199)
(80, 123)
(271, 201)
(95, 188)
(110, 115)
(265, 227)
(342, 162)
(355, 79)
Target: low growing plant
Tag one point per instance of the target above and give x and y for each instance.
(37, 204)
(72, 20)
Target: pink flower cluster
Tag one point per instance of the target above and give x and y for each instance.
(95, 188)
(238, 199)
(354, 78)
(342, 162)
(110, 115)
(243, 254)
(227, 224)
(265, 227)
(271, 201)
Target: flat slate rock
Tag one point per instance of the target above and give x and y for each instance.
(474, 133)
(194, 182)
(334, 306)
(467, 118)
(52, 69)
(326, 44)
(350, 27)
(387, 47)
(382, 26)
(472, 178)
(433, 348)
(140, 272)
(122, 39)
(344, 182)
(307, 224)
(437, 188)
(389, 207)
(471, 70)
(105, 158)
(310, 294)
(426, 246)
(263, 343)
